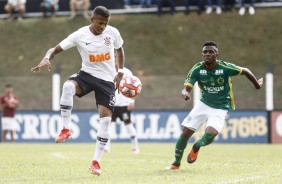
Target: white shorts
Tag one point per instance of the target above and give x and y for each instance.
(202, 113)
(16, 2)
(8, 123)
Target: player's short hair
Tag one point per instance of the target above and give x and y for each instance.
(210, 43)
(8, 85)
(102, 11)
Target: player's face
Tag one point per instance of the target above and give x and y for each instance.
(209, 54)
(99, 23)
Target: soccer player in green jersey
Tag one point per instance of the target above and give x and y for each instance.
(213, 77)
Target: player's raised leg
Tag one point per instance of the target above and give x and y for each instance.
(69, 90)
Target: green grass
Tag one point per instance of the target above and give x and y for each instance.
(68, 163)
(160, 50)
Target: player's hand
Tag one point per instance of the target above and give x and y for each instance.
(44, 62)
(117, 80)
(186, 95)
(260, 83)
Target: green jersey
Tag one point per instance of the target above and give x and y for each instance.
(215, 85)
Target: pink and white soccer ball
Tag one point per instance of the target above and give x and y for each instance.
(130, 86)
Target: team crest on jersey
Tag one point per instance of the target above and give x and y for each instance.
(107, 41)
(203, 72)
(220, 80)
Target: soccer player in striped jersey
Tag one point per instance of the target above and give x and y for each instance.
(100, 47)
(213, 77)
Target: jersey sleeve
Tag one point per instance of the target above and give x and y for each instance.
(191, 78)
(118, 40)
(233, 69)
(70, 41)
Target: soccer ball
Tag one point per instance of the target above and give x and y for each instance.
(130, 86)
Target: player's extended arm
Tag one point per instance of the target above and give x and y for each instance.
(119, 63)
(46, 60)
(252, 78)
(186, 92)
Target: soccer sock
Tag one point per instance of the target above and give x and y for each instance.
(67, 102)
(102, 137)
(132, 132)
(108, 145)
(181, 144)
(205, 140)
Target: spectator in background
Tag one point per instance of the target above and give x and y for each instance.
(162, 3)
(49, 6)
(8, 102)
(82, 5)
(228, 5)
(243, 9)
(187, 4)
(15, 6)
(218, 7)
(127, 3)
(146, 3)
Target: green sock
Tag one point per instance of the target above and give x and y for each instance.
(181, 144)
(205, 140)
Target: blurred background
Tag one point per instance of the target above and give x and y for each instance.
(160, 48)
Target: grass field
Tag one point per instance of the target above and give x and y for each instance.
(68, 163)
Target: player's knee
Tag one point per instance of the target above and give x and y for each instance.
(104, 127)
(187, 133)
(69, 88)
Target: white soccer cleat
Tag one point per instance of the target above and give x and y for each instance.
(209, 10)
(251, 10)
(218, 10)
(242, 11)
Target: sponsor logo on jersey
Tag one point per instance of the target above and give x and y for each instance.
(203, 72)
(213, 89)
(107, 41)
(219, 72)
(98, 58)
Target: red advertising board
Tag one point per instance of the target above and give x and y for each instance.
(276, 127)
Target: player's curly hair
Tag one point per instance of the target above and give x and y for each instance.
(102, 11)
(210, 43)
